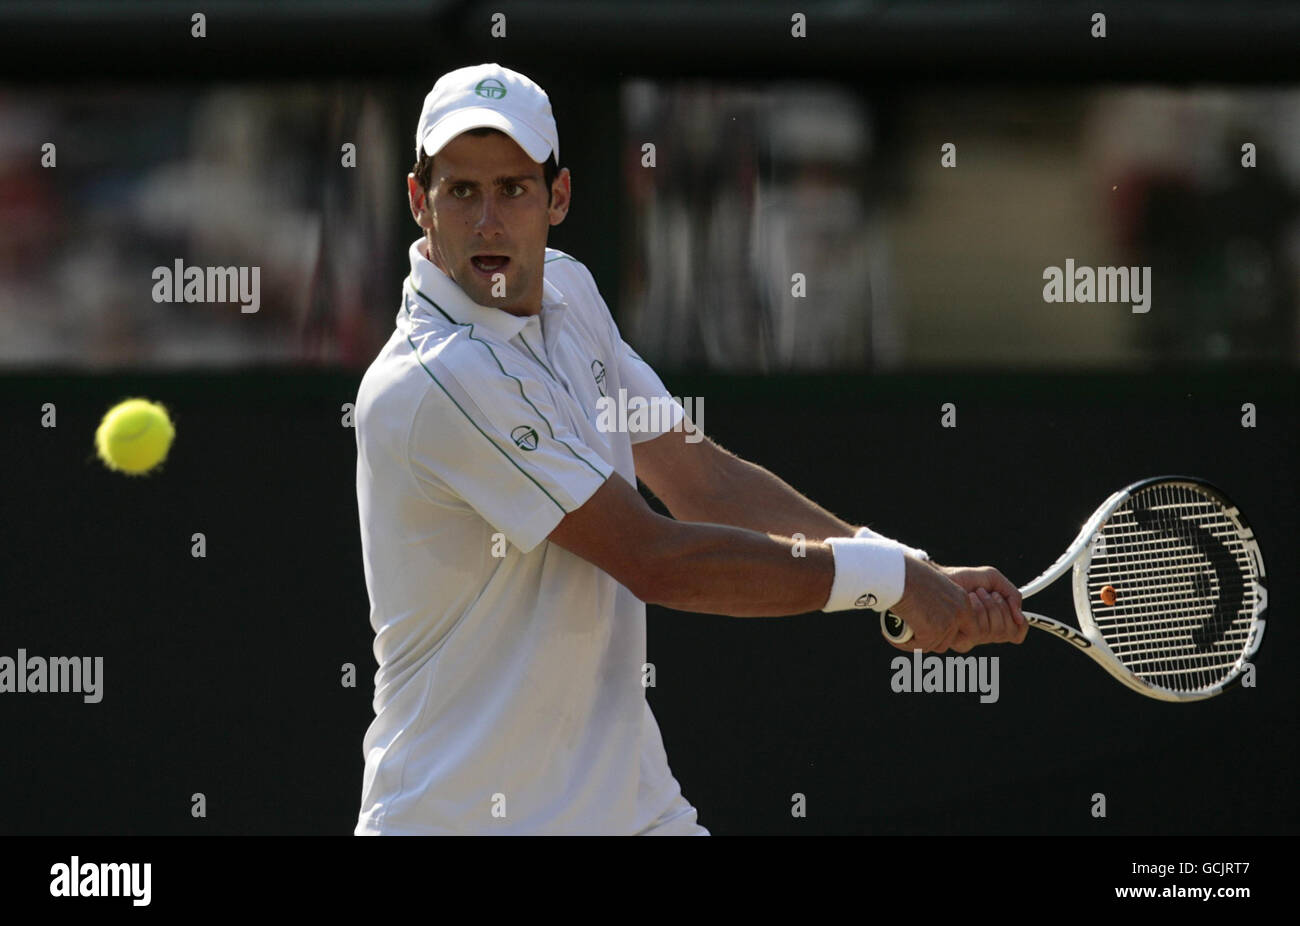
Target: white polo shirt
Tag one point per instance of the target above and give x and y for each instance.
(509, 694)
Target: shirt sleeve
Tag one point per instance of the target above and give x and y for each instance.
(642, 382)
(499, 443)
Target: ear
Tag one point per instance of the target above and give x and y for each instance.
(419, 203)
(561, 195)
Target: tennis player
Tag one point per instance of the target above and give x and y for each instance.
(508, 555)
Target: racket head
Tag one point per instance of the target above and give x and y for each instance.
(1170, 588)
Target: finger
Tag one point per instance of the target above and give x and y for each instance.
(1015, 629)
(994, 618)
(964, 643)
(974, 622)
(992, 579)
(1001, 624)
(987, 616)
(1012, 595)
(1017, 606)
(1014, 626)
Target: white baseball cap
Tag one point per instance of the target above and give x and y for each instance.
(488, 96)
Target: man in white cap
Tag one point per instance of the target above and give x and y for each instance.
(507, 552)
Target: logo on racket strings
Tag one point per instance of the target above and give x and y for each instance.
(1222, 563)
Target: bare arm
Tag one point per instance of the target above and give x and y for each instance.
(957, 607)
(705, 568)
(712, 569)
(702, 482)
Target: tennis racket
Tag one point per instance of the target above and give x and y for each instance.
(1168, 590)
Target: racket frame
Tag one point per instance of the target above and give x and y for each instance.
(1088, 638)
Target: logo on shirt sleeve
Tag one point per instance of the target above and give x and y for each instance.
(525, 438)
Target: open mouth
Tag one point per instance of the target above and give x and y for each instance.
(489, 263)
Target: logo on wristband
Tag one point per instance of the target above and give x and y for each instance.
(865, 601)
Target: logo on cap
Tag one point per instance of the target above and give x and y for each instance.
(490, 89)
(865, 601)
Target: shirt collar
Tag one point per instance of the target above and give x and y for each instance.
(443, 296)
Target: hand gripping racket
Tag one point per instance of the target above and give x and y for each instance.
(1168, 590)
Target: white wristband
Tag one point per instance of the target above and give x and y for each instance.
(869, 573)
(868, 533)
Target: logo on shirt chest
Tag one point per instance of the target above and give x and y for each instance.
(525, 438)
(598, 372)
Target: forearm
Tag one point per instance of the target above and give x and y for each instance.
(746, 495)
(716, 569)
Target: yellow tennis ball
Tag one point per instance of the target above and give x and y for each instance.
(134, 436)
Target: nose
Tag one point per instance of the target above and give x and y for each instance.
(489, 219)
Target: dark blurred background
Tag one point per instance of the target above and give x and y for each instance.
(773, 155)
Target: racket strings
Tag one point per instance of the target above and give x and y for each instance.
(1184, 589)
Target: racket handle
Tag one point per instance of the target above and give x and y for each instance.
(894, 628)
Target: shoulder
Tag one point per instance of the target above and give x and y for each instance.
(570, 276)
(435, 364)
(561, 261)
(578, 288)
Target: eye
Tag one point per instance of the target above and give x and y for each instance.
(460, 191)
(517, 187)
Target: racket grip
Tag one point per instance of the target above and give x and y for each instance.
(894, 628)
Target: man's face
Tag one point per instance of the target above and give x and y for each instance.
(487, 218)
